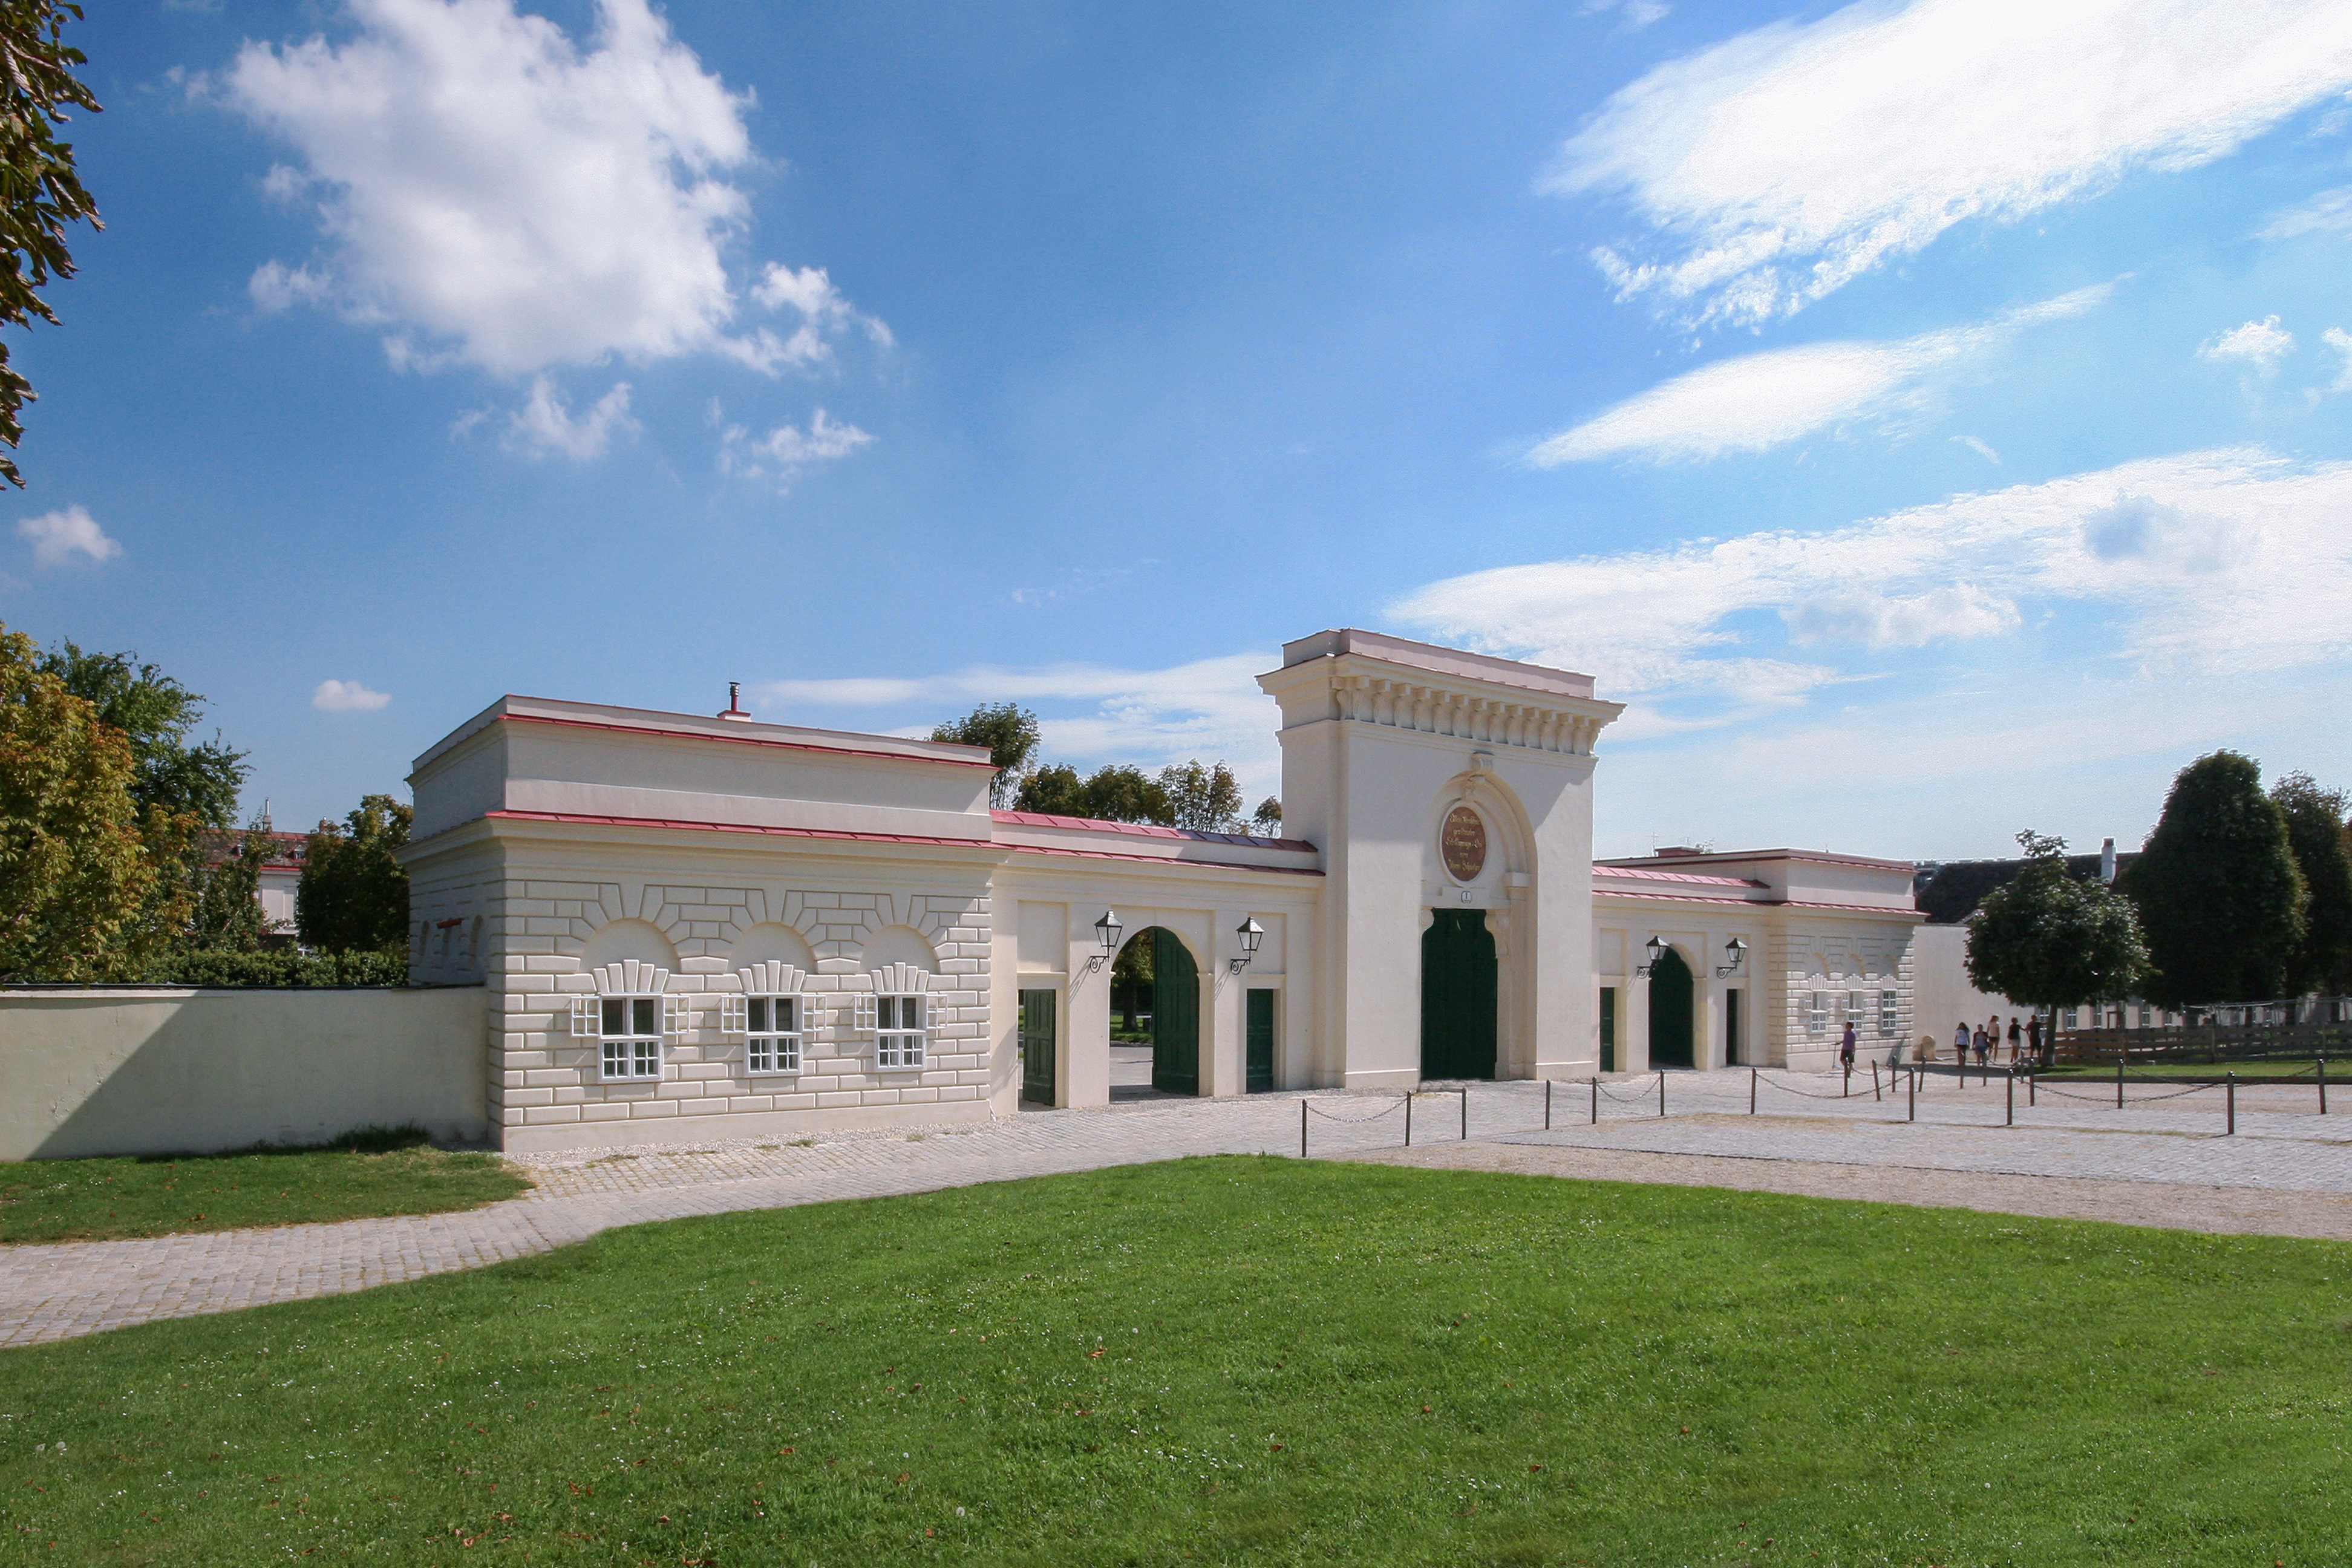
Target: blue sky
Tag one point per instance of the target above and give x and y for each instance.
(1934, 420)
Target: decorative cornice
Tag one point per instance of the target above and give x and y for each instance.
(1567, 726)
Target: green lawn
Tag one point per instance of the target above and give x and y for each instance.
(2246, 1072)
(1237, 1361)
(375, 1172)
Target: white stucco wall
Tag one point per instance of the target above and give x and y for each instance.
(166, 1070)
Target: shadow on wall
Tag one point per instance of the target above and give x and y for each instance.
(153, 1072)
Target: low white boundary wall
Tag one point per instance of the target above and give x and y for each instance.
(171, 1069)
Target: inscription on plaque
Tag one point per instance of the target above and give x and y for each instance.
(1462, 843)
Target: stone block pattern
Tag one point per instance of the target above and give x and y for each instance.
(539, 930)
(1839, 959)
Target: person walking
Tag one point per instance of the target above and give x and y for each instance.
(1983, 1044)
(2033, 1040)
(1960, 1043)
(2016, 1038)
(1845, 1047)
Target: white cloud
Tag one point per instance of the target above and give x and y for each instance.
(2329, 211)
(786, 452)
(503, 196)
(2261, 344)
(1209, 708)
(2230, 562)
(1761, 400)
(347, 697)
(1775, 167)
(545, 423)
(1634, 15)
(59, 536)
(2339, 340)
(1981, 449)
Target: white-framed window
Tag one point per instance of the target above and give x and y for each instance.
(1857, 1009)
(1817, 1014)
(629, 1031)
(898, 1031)
(1888, 1005)
(2066, 1019)
(771, 1034)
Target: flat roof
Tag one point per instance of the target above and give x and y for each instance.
(1443, 661)
(701, 727)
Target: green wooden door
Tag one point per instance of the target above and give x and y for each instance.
(1175, 1015)
(1669, 1012)
(1260, 1074)
(1457, 995)
(1037, 1046)
(1731, 1028)
(1609, 1028)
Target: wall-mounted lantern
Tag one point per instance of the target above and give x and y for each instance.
(1735, 952)
(1107, 932)
(1656, 948)
(1252, 933)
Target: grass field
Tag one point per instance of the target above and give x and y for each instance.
(2248, 1072)
(1237, 1361)
(375, 1172)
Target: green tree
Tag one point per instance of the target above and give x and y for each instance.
(227, 917)
(156, 713)
(1124, 794)
(1266, 820)
(2322, 844)
(2049, 939)
(1112, 795)
(1009, 732)
(40, 192)
(353, 896)
(74, 863)
(1207, 800)
(2217, 889)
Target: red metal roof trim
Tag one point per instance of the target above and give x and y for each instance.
(1756, 903)
(730, 827)
(1161, 859)
(1647, 876)
(1146, 830)
(739, 740)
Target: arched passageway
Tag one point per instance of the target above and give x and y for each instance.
(1457, 995)
(1669, 1012)
(1156, 995)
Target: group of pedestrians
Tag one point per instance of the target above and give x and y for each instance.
(1985, 1040)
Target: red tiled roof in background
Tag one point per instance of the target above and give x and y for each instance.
(1146, 830)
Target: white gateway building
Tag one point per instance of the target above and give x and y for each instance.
(691, 927)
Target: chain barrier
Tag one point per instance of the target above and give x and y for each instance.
(1641, 1099)
(1791, 1088)
(1356, 1120)
(2109, 1100)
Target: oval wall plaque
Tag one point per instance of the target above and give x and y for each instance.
(1461, 844)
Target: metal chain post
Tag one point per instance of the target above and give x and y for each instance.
(1547, 1105)
(1302, 1130)
(2323, 1085)
(1752, 1091)
(2012, 1099)
(1596, 1100)
(1408, 1119)
(2233, 1102)
(1466, 1116)
(1661, 1091)
(1912, 1114)
(2119, 1083)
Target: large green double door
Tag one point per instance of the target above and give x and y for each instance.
(1457, 995)
(1175, 1014)
(1037, 1046)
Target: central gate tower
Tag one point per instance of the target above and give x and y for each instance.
(1437, 780)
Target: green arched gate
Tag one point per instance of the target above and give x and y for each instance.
(1457, 995)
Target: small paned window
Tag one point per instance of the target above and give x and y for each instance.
(629, 1034)
(1887, 1007)
(772, 1034)
(1817, 1014)
(2066, 1019)
(898, 1031)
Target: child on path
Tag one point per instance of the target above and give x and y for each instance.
(1845, 1046)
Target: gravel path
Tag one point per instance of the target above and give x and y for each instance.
(2164, 1160)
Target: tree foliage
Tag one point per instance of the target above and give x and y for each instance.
(1010, 734)
(353, 896)
(1111, 795)
(2322, 846)
(40, 192)
(156, 713)
(2217, 889)
(227, 916)
(1266, 820)
(1206, 799)
(2049, 939)
(74, 869)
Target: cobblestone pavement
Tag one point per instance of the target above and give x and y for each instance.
(2283, 1146)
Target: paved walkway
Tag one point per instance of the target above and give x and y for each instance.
(1958, 1151)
